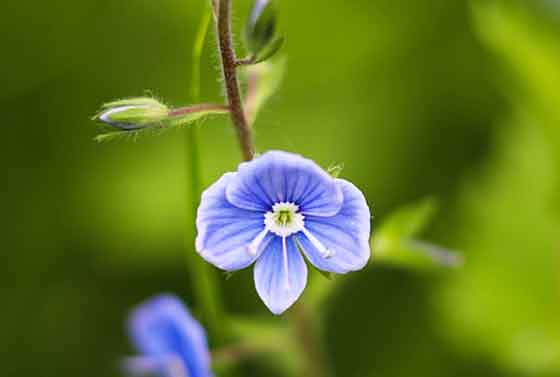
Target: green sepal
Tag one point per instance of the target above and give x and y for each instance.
(228, 274)
(270, 50)
(137, 101)
(335, 170)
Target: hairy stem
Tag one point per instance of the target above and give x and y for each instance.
(203, 277)
(197, 108)
(229, 64)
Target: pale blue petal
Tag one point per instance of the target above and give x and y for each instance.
(284, 177)
(225, 231)
(163, 328)
(346, 234)
(279, 288)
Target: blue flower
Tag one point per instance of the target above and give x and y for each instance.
(273, 209)
(171, 342)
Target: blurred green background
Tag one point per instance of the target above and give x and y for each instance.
(447, 98)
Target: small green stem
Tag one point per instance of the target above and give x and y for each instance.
(203, 278)
(307, 335)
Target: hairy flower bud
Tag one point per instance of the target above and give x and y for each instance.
(260, 32)
(133, 113)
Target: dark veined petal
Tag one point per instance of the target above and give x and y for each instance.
(345, 235)
(284, 177)
(163, 329)
(225, 231)
(280, 275)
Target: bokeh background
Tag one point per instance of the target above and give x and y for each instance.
(452, 99)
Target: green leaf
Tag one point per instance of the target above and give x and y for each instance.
(260, 30)
(411, 219)
(395, 242)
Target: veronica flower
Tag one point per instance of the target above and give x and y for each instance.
(273, 209)
(171, 342)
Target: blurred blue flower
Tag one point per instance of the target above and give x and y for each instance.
(272, 209)
(171, 342)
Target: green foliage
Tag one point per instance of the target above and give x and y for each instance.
(270, 49)
(505, 301)
(409, 220)
(396, 242)
(529, 50)
(260, 31)
(505, 304)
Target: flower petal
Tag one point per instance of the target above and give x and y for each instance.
(278, 177)
(163, 327)
(225, 231)
(280, 275)
(345, 235)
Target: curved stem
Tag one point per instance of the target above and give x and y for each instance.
(229, 64)
(306, 333)
(236, 353)
(203, 277)
(315, 362)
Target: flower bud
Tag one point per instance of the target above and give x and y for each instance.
(133, 113)
(260, 31)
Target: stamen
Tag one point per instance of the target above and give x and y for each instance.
(285, 257)
(284, 219)
(325, 253)
(253, 247)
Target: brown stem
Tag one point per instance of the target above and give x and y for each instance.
(240, 352)
(227, 54)
(196, 108)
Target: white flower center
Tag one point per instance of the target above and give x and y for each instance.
(284, 219)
